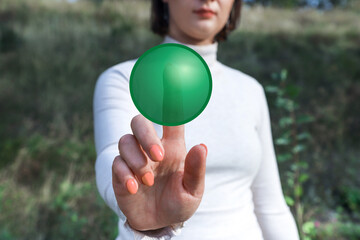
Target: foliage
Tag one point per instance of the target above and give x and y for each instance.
(291, 142)
(322, 4)
(50, 190)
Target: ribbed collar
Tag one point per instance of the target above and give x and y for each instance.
(207, 52)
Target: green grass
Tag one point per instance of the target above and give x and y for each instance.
(51, 54)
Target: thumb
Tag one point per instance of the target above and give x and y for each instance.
(194, 171)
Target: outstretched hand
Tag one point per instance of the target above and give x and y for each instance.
(156, 182)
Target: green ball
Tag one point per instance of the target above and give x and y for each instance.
(170, 84)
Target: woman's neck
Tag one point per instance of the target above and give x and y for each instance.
(176, 33)
(189, 40)
(208, 52)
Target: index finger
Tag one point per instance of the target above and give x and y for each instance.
(146, 135)
(173, 109)
(173, 132)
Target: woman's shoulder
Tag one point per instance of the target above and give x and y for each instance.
(114, 78)
(239, 77)
(120, 70)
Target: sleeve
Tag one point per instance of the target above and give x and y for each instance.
(272, 212)
(113, 111)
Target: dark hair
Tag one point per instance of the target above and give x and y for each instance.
(160, 19)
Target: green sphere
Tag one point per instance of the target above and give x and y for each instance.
(170, 84)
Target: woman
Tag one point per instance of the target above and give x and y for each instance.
(155, 186)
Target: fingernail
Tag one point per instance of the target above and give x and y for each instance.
(148, 179)
(131, 186)
(156, 153)
(205, 148)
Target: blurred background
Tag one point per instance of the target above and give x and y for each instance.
(306, 54)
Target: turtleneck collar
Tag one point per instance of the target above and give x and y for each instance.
(207, 52)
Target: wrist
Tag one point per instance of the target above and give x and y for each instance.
(173, 227)
(153, 232)
(168, 231)
(177, 226)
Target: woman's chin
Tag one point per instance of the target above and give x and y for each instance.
(205, 25)
(203, 31)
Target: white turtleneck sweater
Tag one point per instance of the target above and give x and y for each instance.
(243, 198)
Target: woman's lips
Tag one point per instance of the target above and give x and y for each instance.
(204, 13)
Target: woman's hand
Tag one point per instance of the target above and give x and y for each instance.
(156, 183)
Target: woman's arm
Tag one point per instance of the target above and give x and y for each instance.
(113, 112)
(274, 216)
